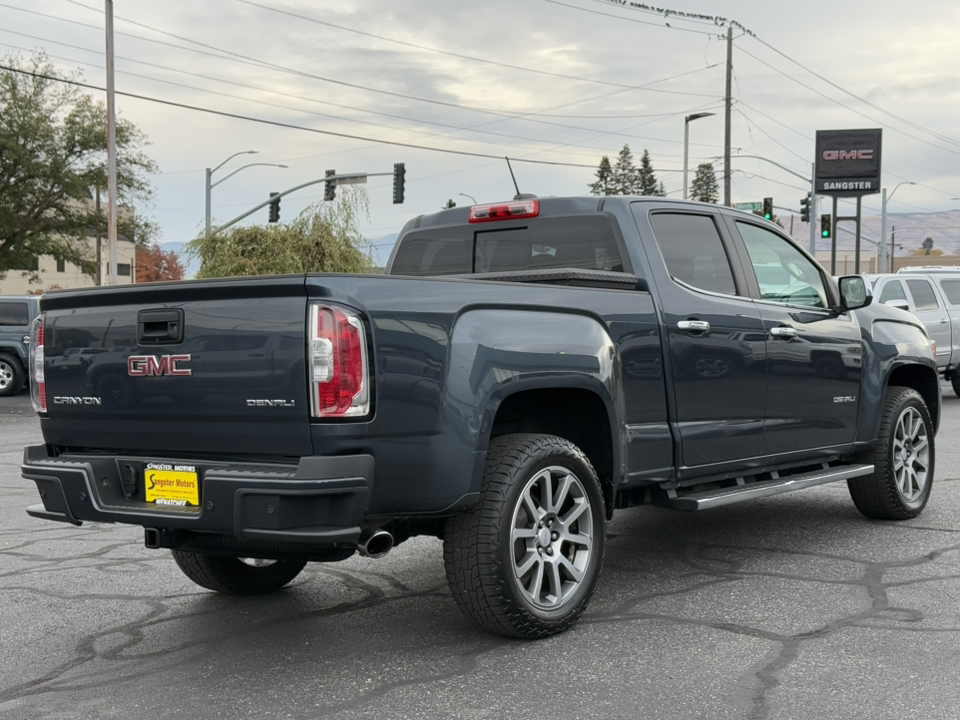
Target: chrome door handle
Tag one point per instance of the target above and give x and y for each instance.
(943, 321)
(699, 326)
(786, 333)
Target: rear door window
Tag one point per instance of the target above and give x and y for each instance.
(923, 295)
(14, 313)
(693, 251)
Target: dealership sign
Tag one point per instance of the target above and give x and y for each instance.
(848, 162)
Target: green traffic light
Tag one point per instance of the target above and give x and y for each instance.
(768, 216)
(824, 233)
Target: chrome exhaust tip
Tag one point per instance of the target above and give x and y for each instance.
(376, 544)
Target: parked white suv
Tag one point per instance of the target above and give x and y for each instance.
(933, 295)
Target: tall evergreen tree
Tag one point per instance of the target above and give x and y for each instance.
(661, 190)
(646, 180)
(604, 182)
(626, 177)
(704, 187)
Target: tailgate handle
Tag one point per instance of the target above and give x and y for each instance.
(160, 327)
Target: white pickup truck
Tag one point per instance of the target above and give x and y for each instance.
(933, 295)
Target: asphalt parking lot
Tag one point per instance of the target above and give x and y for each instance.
(792, 607)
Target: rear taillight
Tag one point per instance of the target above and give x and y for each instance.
(339, 381)
(38, 384)
(505, 211)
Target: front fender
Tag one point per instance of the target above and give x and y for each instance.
(895, 345)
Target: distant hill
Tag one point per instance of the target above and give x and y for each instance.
(910, 230)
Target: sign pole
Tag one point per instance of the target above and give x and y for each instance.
(833, 238)
(856, 259)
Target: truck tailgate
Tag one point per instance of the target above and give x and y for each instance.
(200, 369)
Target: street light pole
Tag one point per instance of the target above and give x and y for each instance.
(468, 196)
(207, 187)
(686, 144)
(883, 221)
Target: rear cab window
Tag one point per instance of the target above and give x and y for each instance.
(586, 241)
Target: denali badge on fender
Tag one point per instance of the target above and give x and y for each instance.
(270, 403)
(143, 365)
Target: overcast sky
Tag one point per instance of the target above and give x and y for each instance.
(630, 77)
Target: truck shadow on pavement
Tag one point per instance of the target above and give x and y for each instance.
(744, 590)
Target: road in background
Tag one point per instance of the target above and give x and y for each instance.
(791, 607)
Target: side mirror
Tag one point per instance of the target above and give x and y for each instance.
(899, 303)
(854, 293)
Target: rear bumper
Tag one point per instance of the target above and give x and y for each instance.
(319, 501)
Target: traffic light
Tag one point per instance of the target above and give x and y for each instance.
(274, 209)
(805, 208)
(768, 208)
(330, 187)
(825, 226)
(399, 171)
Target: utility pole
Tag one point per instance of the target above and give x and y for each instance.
(111, 149)
(893, 246)
(726, 115)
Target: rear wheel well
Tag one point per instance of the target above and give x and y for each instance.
(579, 416)
(925, 381)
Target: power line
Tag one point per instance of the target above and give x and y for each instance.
(272, 66)
(324, 115)
(291, 126)
(910, 123)
(342, 82)
(424, 47)
(666, 26)
(844, 105)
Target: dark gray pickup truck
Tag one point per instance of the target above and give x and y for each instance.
(523, 370)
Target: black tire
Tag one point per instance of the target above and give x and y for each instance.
(955, 380)
(233, 576)
(481, 550)
(879, 495)
(12, 375)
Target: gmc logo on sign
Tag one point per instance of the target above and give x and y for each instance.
(144, 365)
(848, 154)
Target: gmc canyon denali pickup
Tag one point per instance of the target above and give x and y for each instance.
(523, 369)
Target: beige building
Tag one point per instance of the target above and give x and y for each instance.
(55, 274)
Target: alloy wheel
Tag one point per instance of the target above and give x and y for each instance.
(552, 538)
(911, 454)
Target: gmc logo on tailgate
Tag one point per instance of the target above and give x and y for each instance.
(144, 365)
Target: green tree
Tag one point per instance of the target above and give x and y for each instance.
(325, 237)
(646, 179)
(53, 159)
(625, 178)
(704, 186)
(604, 182)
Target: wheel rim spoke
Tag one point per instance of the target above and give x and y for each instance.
(562, 490)
(529, 561)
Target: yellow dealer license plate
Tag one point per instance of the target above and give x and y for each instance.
(170, 484)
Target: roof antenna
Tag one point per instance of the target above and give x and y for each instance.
(519, 195)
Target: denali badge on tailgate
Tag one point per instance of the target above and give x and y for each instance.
(270, 403)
